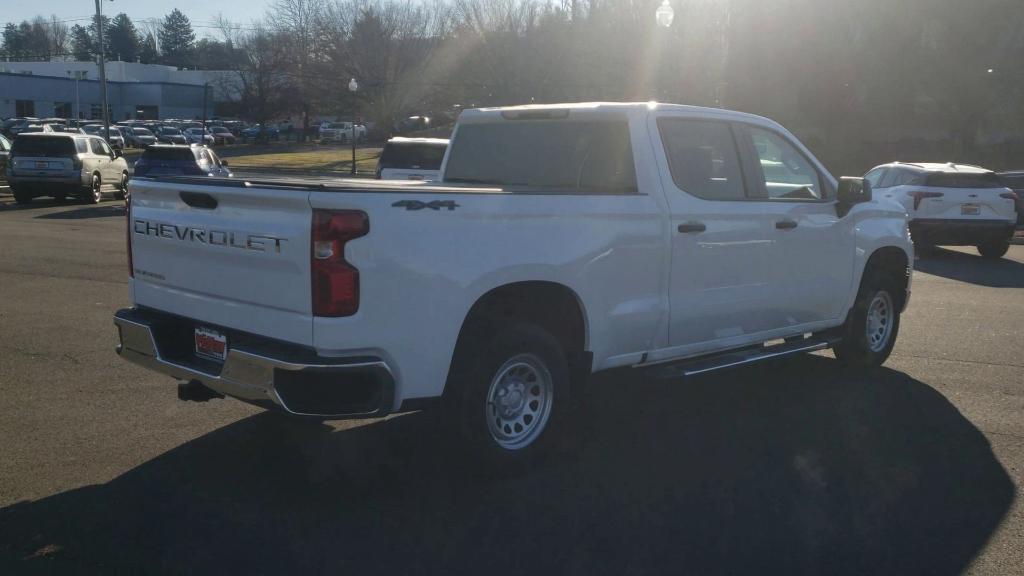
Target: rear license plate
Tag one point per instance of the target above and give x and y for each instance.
(42, 164)
(211, 344)
(970, 209)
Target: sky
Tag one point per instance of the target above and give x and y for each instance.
(200, 12)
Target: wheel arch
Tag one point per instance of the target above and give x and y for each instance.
(892, 261)
(551, 305)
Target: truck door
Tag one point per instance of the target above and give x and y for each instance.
(723, 285)
(812, 263)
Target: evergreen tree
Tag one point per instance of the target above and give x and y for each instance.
(81, 43)
(147, 50)
(177, 40)
(124, 42)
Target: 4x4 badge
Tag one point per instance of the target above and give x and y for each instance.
(418, 205)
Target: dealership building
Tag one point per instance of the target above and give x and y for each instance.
(143, 91)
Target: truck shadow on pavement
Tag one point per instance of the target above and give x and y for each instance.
(789, 468)
(971, 268)
(87, 212)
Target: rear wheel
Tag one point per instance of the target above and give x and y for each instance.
(994, 250)
(95, 192)
(514, 397)
(872, 325)
(20, 196)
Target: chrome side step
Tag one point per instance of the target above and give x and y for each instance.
(704, 364)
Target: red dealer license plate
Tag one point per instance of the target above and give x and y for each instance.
(211, 344)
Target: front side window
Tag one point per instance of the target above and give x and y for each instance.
(787, 173)
(702, 158)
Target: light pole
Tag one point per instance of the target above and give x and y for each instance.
(664, 15)
(78, 102)
(353, 86)
(103, 70)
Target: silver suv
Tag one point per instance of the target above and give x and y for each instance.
(62, 165)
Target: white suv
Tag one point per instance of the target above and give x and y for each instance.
(951, 204)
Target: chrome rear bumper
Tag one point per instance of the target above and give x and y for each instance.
(260, 371)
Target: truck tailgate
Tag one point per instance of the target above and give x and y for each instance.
(224, 254)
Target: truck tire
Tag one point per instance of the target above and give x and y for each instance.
(994, 250)
(20, 196)
(872, 325)
(515, 397)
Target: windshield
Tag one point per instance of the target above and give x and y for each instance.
(964, 180)
(141, 132)
(338, 125)
(170, 131)
(420, 156)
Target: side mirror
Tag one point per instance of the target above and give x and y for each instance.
(117, 153)
(852, 191)
(223, 162)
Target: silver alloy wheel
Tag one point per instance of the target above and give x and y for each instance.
(879, 321)
(519, 401)
(97, 189)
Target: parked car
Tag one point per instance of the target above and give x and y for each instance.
(259, 131)
(341, 132)
(563, 240)
(139, 137)
(170, 135)
(59, 165)
(5, 152)
(221, 135)
(116, 138)
(1015, 181)
(169, 160)
(39, 128)
(199, 136)
(13, 126)
(411, 159)
(951, 204)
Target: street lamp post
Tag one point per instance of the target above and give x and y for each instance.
(353, 86)
(103, 70)
(665, 14)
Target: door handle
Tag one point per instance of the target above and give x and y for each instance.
(785, 224)
(692, 227)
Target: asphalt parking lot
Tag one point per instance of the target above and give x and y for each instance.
(790, 468)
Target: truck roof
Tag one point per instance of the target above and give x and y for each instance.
(553, 111)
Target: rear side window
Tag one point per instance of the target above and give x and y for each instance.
(960, 180)
(703, 159)
(414, 155)
(169, 154)
(562, 154)
(44, 146)
(82, 146)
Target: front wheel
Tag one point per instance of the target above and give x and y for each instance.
(872, 325)
(516, 399)
(122, 188)
(994, 250)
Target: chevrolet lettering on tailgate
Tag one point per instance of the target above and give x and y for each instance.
(242, 240)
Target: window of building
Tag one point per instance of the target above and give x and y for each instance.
(24, 108)
(62, 109)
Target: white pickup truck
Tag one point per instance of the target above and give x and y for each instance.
(564, 240)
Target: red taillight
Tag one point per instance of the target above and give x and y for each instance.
(335, 281)
(918, 196)
(1009, 196)
(128, 232)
